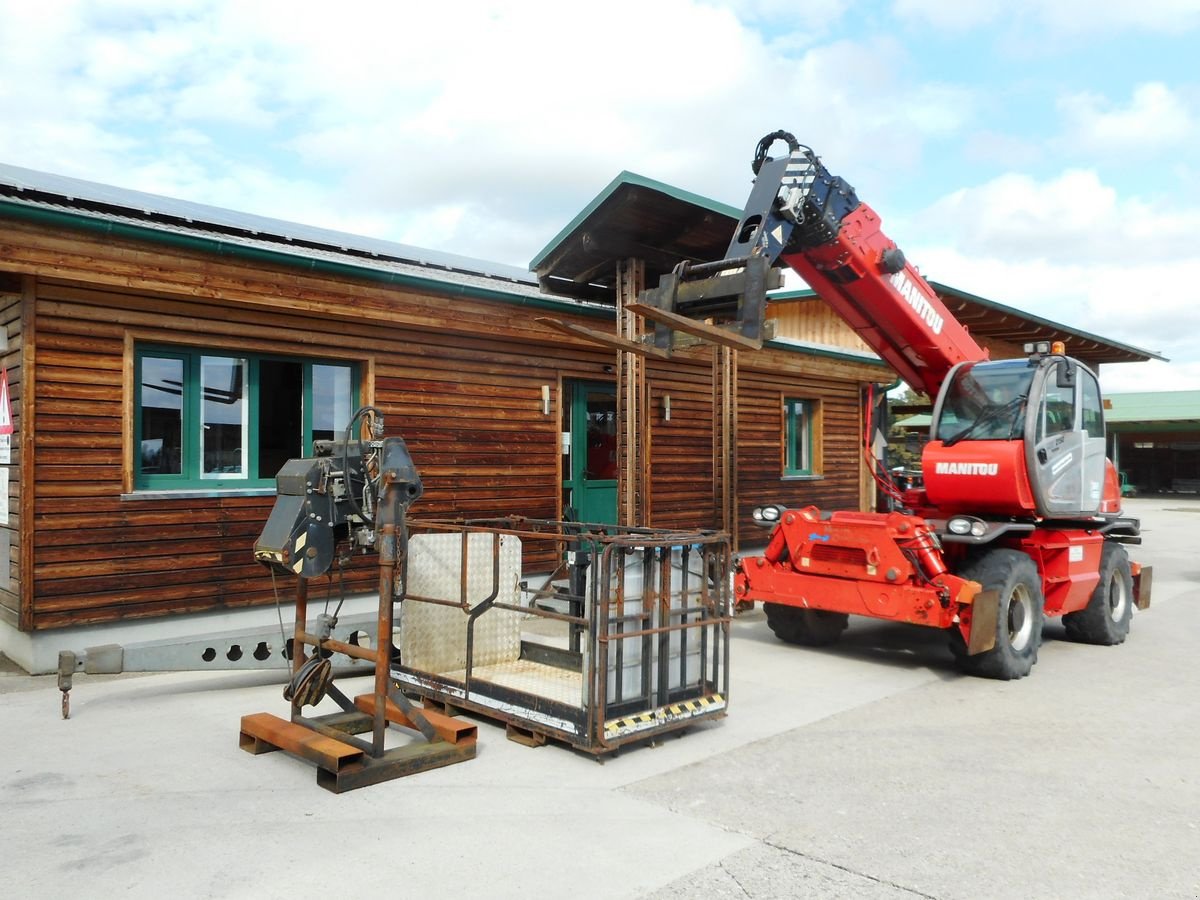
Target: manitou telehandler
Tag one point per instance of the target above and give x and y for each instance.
(1020, 513)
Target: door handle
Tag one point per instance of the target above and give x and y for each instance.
(1042, 455)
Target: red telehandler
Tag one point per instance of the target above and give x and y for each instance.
(1020, 514)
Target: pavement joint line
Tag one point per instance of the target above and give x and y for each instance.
(849, 871)
(727, 871)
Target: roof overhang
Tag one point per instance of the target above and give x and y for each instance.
(633, 218)
(986, 319)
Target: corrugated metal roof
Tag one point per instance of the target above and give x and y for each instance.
(77, 195)
(1154, 406)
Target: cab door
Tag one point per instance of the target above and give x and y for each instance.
(1066, 463)
(1095, 444)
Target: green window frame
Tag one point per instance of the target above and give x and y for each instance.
(798, 437)
(207, 418)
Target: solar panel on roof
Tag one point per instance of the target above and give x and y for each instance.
(80, 192)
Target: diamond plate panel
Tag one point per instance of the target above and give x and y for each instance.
(434, 638)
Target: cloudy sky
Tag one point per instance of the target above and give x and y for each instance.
(1040, 153)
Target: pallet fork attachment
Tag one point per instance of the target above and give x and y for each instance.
(732, 292)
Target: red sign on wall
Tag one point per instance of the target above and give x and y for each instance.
(6, 423)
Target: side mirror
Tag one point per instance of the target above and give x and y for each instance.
(1066, 373)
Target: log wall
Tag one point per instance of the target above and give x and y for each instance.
(461, 379)
(11, 359)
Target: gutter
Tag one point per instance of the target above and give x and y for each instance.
(232, 250)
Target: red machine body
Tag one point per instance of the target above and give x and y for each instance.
(1019, 516)
(978, 477)
(898, 314)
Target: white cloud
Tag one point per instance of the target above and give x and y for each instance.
(1062, 16)
(1119, 286)
(512, 115)
(1156, 118)
(1150, 376)
(1072, 219)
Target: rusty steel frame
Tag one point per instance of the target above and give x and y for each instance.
(703, 611)
(345, 762)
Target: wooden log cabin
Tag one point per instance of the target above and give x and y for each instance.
(164, 358)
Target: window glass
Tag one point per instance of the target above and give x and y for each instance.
(1093, 406)
(281, 414)
(331, 399)
(202, 416)
(161, 397)
(222, 417)
(985, 402)
(799, 437)
(601, 462)
(1059, 409)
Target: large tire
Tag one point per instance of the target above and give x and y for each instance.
(1105, 620)
(807, 627)
(1019, 621)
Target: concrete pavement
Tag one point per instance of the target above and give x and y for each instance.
(869, 770)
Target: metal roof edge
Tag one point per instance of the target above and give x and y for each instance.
(1000, 307)
(219, 247)
(791, 345)
(809, 293)
(100, 198)
(627, 177)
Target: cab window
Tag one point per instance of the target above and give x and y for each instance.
(1093, 406)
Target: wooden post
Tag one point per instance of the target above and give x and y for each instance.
(633, 439)
(724, 439)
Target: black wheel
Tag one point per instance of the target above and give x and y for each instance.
(1105, 620)
(807, 627)
(1019, 620)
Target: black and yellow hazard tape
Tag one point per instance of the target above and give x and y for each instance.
(664, 714)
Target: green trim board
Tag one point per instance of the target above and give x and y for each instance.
(791, 345)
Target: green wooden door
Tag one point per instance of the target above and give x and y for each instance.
(591, 483)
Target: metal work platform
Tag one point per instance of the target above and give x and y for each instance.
(627, 640)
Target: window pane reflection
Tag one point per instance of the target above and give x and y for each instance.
(223, 414)
(331, 401)
(162, 416)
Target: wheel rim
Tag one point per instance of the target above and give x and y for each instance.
(1020, 617)
(1118, 598)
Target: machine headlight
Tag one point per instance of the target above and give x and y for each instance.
(967, 525)
(767, 516)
